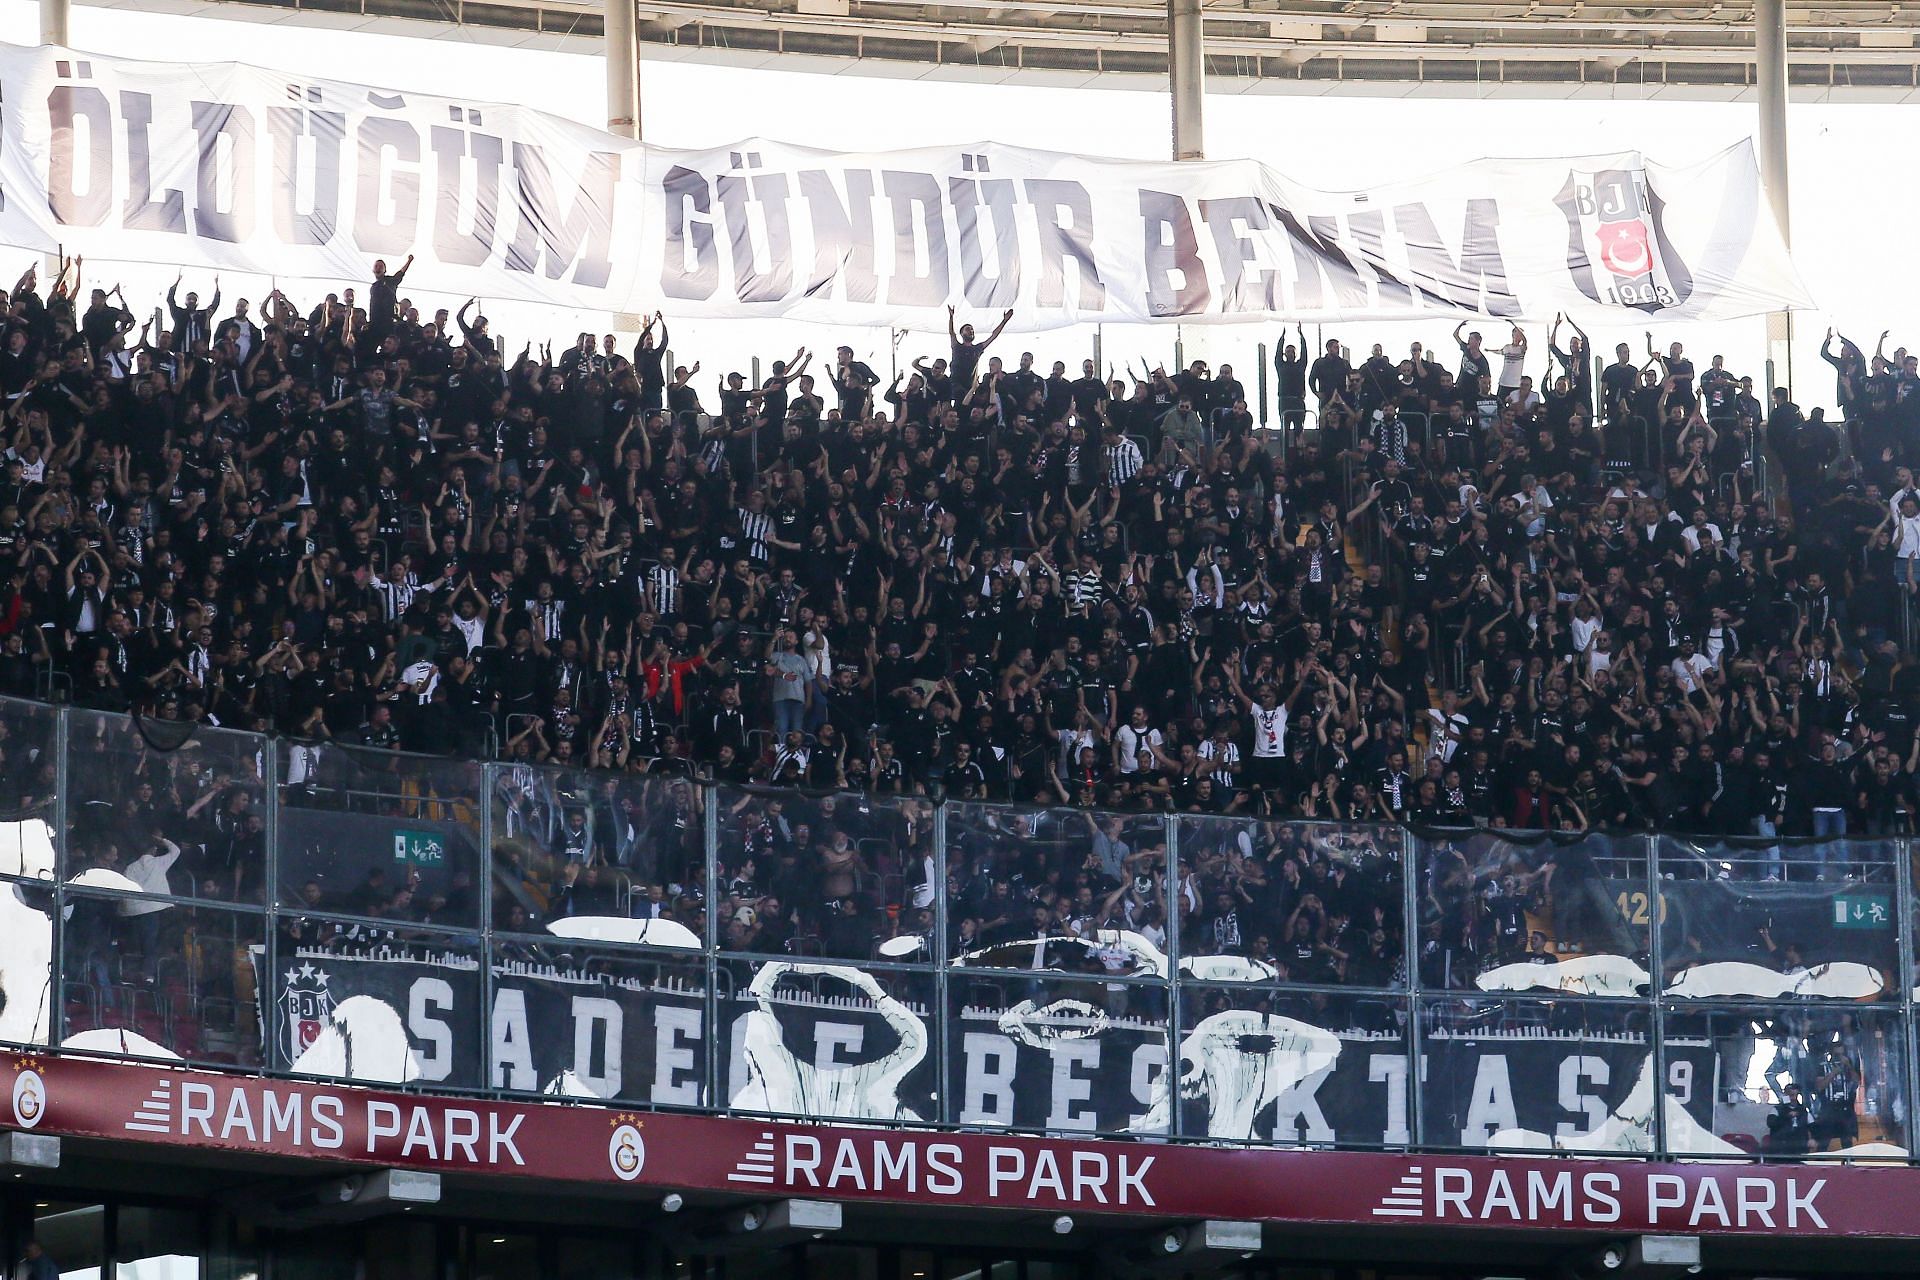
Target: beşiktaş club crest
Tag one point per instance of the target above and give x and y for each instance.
(1617, 247)
(307, 1006)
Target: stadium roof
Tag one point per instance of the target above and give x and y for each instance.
(1863, 49)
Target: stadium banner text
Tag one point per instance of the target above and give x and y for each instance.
(222, 166)
(176, 1108)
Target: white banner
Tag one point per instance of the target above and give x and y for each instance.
(232, 167)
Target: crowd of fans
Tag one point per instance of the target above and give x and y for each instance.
(1508, 587)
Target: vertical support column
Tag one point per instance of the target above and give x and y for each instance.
(1904, 916)
(1176, 1029)
(1411, 848)
(622, 56)
(1770, 81)
(267, 1010)
(1657, 964)
(1187, 78)
(489, 788)
(718, 1038)
(53, 22)
(623, 69)
(53, 31)
(1770, 89)
(1260, 371)
(62, 872)
(942, 1006)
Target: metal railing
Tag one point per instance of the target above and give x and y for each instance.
(1666, 933)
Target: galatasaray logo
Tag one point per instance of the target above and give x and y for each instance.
(626, 1151)
(1618, 252)
(29, 1099)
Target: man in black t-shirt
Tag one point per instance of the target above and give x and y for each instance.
(966, 352)
(854, 380)
(383, 301)
(1290, 370)
(1617, 383)
(1328, 377)
(1474, 363)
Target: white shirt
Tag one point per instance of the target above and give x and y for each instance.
(149, 871)
(1132, 741)
(1691, 535)
(418, 672)
(1071, 740)
(1513, 357)
(1534, 509)
(1689, 670)
(819, 655)
(1906, 537)
(474, 629)
(1584, 630)
(1523, 402)
(1443, 739)
(1269, 732)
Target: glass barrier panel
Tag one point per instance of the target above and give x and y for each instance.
(845, 876)
(1061, 1054)
(156, 807)
(1292, 1067)
(1293, 902)
(569, 844)
(1502, 911)
(1017, 875)
(828, 1041)
(573, 1020)
(27, 910)
(378, 834)
(149, 979)
(1750, 920)
(376, 1004)
(1528, 1074)
(28, 772)
(156, 1244)
(1786, 1080)
(74, 1233)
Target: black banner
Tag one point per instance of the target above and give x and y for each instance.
(579, 1030)
(387, 1012)
(830, 1042)
(1088, 1057)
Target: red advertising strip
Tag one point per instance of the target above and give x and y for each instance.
(84, 1097)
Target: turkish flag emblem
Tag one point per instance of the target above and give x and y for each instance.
(1623, 248)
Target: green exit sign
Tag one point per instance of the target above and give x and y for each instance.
(419, 848)
(1863, 911)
